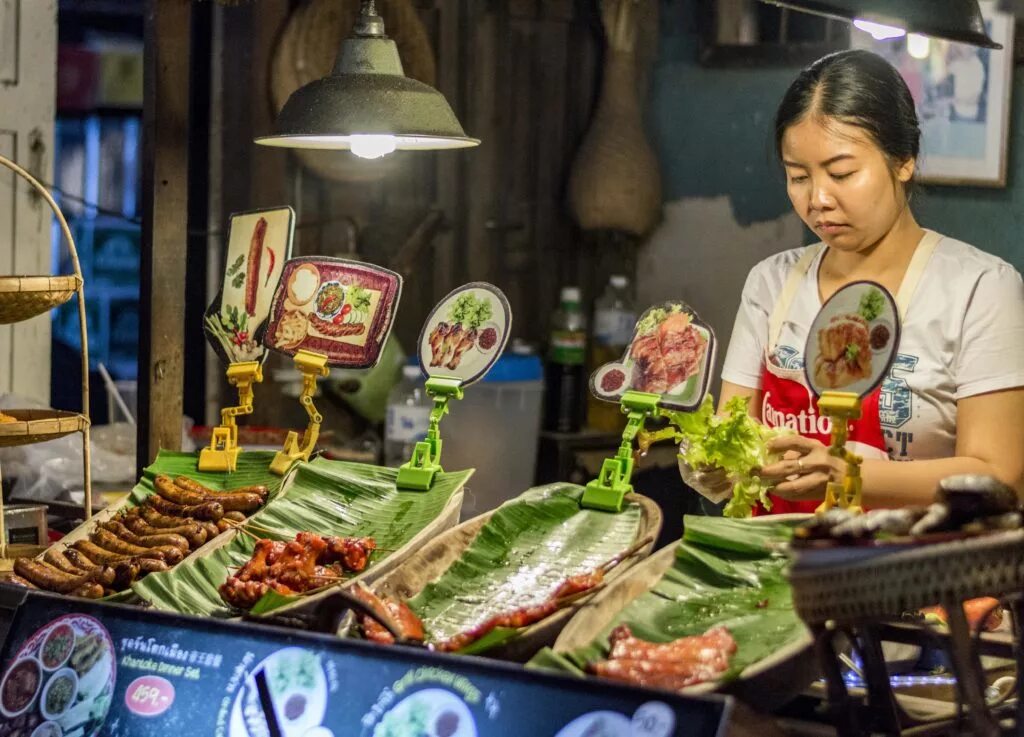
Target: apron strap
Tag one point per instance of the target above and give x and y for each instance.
(796, 275)
(918, 263)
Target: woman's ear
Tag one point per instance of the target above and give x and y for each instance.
(906, 171)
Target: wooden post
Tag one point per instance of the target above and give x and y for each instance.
(164, 226)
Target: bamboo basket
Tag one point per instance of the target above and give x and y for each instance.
(25, 297)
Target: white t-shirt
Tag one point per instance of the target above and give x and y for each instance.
(963, 335)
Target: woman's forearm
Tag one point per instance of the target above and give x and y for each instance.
(897, 484)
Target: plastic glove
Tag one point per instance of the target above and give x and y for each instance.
(711, 483)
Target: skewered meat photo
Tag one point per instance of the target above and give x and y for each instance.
(844, 352)
(667, 352)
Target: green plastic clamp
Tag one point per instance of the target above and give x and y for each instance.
(419, 473)
(608, 491)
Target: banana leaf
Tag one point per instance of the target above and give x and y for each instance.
(325, 497)
(529, 546)
(725, 572)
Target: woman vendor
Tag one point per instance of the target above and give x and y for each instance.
(847, 136)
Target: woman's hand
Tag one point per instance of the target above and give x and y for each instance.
(710, 482)
(805, 469)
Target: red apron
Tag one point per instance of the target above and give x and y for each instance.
(788, 402)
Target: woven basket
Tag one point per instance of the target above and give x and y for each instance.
(306, 51)
(23, 297)
(38, 426)
(891, 583)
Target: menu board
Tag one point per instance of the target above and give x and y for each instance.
(259, 244)
(116, 671)
(671, 355)
(466, 333)
(853, 340)
(342, 309)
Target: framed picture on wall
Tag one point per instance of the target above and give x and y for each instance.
(963, 95)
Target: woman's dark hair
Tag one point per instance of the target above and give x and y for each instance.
(858, 88)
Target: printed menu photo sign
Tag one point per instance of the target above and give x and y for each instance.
(853, 340)
(339, 308)
(259, 244)
(671, 354)
(61, 680)
(466, 333)
(106, 670)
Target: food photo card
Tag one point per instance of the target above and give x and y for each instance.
(853, 340)
(339, 308)
(466, 333)
(259, 244)
(671, 354)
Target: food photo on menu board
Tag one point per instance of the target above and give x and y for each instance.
(259, 245)
(60, 682)
(466, 333)
(671, 355)
(853, 340)
(339, 308)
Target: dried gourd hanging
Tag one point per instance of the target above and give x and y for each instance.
(615, 182)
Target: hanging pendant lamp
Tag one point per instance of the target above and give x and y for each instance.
(954, 20)
(367, 104)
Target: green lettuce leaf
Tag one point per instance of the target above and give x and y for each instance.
(733, 441)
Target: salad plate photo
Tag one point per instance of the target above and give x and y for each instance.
(433, 712)
(60, 682)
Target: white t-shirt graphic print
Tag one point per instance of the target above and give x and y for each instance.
(963, 336)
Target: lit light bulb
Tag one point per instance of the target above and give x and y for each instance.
(918, 46)
(372, 146)
(879, 31)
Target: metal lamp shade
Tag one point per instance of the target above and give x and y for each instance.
(327, 112)
(367, 94)
(954, 20)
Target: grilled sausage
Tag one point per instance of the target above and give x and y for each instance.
(215, 496)
(192, 485)
(224, 525)
(259, 489)
(252, 271)
(191, 531)
(211, 511)
(125, 573)
(89, 591)
(110, 541)
(239, 502)
(211, 530)
(147, 541)
(47, 577)
(170, 491)
(152, 565)
(56, 558)
(234, 516)
(16, 580)
(156, 519)
(97, 554)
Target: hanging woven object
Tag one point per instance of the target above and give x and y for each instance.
(306, 51)
(615, 183)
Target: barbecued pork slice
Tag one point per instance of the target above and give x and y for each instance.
(682, 348)
(649, 373)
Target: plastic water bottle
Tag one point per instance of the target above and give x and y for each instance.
(614, 320)
(408, 417)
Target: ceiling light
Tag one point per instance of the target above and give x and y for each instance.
(954, 20)
(918, 46)
(879, 31)
(367, 104)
